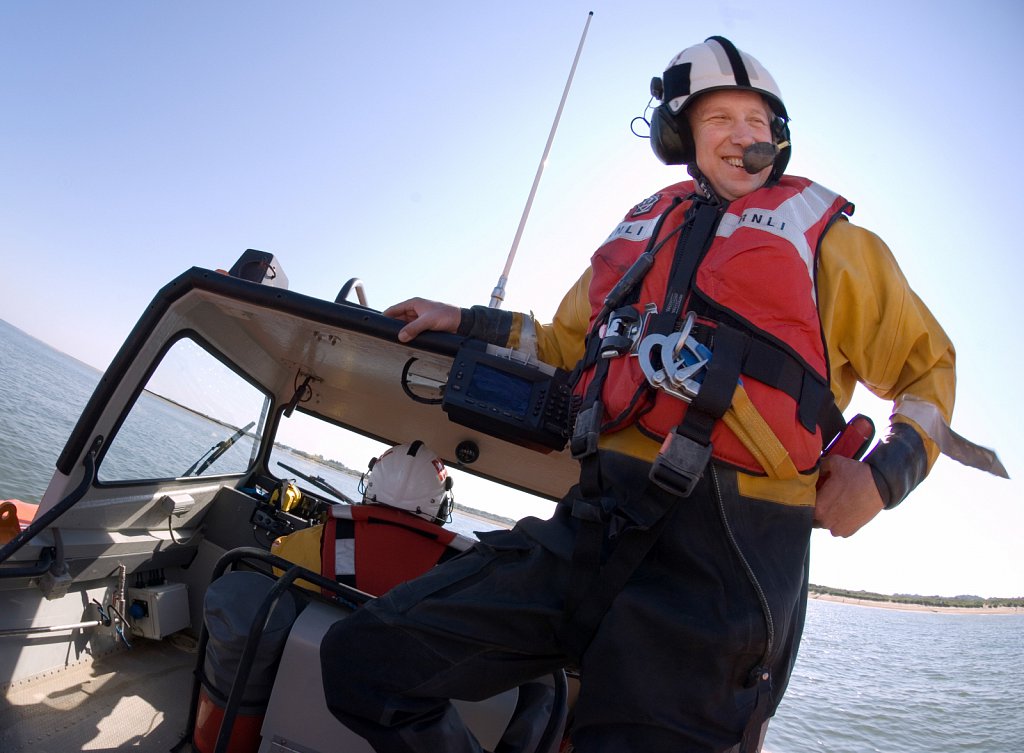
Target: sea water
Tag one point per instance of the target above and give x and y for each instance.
(867, 680)
(892, 681)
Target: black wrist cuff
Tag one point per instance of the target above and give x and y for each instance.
(898, 464)
(466, 323)
(483, 323)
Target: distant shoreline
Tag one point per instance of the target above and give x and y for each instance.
(914, 607)
(874, 603)
(484, 516)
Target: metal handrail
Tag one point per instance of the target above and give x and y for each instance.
(292, 572)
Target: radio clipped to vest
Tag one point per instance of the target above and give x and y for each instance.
(529, 404)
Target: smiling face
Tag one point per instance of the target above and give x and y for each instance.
(724, 123)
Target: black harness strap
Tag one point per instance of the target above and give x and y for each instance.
(590, 509)
(687, 450)
(592, 591)
(772, 365)
(723, 373)
(631, 528)
(588, 421)
(831, 420)
(703, 218)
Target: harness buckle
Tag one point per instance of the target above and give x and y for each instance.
(680, 464)
(586, 431)
(620, 332)
(585, 510)
(624, 329)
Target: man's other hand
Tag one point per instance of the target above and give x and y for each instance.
(847, 496)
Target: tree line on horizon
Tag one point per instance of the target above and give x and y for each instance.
(963, 601)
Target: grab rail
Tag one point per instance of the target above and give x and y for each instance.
(41, 566)
(292, 572)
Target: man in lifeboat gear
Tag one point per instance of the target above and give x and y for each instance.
(717, 334)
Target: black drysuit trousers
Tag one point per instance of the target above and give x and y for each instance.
(716, 603)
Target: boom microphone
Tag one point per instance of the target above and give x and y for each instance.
(757, 157)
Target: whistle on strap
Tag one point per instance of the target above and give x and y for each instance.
(680, 464)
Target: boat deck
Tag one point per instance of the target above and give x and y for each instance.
(130, 700)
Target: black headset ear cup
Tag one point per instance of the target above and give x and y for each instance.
(444, 511)
(780, 134)
(671, 139)
(780, 130)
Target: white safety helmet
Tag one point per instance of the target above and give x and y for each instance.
(713, 65)
(411, 477)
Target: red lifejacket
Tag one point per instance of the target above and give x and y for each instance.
(757, 275)
(392, 546)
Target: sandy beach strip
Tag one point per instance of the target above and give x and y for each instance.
(915, 607)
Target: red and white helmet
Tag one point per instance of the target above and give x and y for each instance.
(411, 477)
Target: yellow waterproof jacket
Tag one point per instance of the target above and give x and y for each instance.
(878, 332)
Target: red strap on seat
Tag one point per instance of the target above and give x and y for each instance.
(393, 546)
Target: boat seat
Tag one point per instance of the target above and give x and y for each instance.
(390, 547)
(297, 717)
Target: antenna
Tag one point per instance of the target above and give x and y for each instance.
(498, 294)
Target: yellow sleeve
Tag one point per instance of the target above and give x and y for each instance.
(879, 333)
(561, 342)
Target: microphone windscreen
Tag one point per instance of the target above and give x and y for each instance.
(757, 157)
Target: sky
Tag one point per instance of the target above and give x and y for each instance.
(397, 142)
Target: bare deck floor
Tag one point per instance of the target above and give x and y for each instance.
(130, 700)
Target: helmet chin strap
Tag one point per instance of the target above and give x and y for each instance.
(702, 183)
